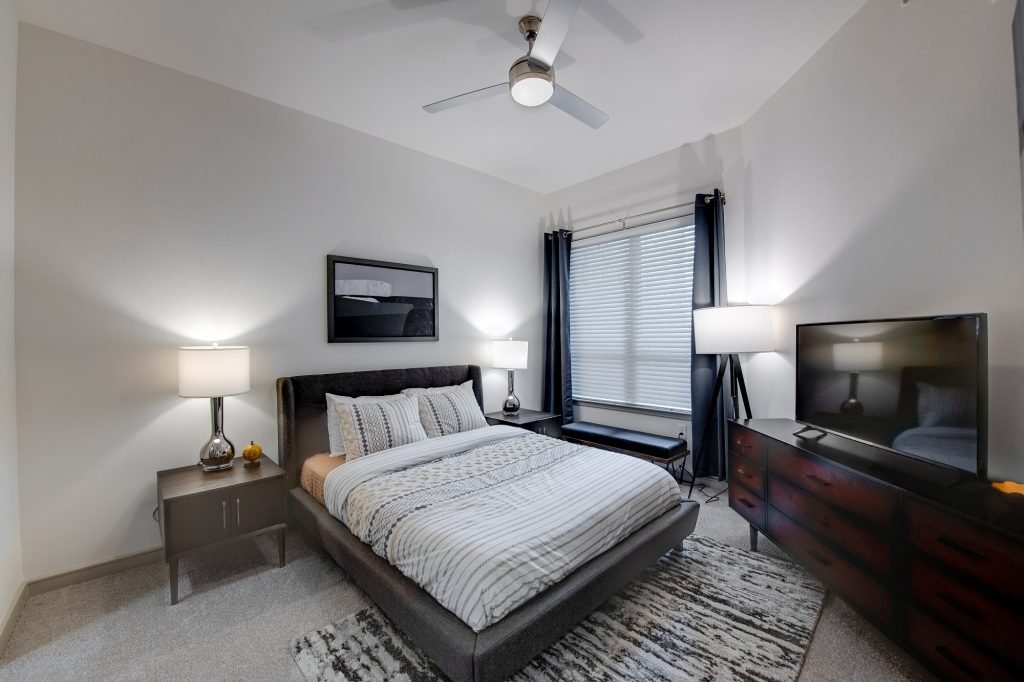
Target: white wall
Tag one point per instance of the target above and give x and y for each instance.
(156, 209)
(10, 529)
(881, 181)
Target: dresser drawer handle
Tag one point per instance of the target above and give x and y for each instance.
(740, 471)
(224, 514)
(955, 603)
(817, 557)
(745, 503)
(818, 480)
(238, 510)
(957, 547)
(958, 662)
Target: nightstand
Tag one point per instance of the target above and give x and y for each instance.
(203, 509)
(545, 423)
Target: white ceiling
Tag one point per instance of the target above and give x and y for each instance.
(667, 71)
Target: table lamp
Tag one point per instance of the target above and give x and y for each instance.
(510, 355)
(856, 357)
(214, 372)
(729, 330)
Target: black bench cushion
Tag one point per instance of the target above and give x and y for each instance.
(647, 444)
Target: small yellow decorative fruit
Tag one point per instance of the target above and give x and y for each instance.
(252, 454)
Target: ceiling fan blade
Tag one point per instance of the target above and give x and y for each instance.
(578, 108)
(553, 28)
(466, 97)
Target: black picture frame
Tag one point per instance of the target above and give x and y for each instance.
(360, 316)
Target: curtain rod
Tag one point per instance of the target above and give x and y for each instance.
(622, 221)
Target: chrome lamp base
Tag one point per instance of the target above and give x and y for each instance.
(511, 405)
(218, 453)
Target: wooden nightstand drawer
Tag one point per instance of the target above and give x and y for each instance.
(256, 505)
(872, 549)
(967, 547)
(747, 443)
(853, 493)
(195, 521)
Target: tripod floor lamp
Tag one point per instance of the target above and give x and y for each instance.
(728, 331)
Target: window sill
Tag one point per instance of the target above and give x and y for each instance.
(654, 412)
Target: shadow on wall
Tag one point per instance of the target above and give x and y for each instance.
(700, 159)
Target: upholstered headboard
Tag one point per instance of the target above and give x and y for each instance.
(302, 407)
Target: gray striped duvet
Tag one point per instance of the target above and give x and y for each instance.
(486, 519)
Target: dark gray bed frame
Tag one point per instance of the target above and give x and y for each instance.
(502, 648)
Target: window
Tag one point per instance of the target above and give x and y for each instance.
(630, 315)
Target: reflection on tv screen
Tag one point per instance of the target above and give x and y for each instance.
(908, 385)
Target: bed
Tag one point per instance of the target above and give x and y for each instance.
(500, 648)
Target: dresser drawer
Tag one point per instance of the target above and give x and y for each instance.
(872, 549)
(748, 444)
(967, 547)
(748, 474)
(750, 506)
(256, 505)
(998, 627)
(853, 584)
(196, 521)
(949, 653)
(856, 495)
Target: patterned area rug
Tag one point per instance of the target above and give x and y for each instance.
(710, 612)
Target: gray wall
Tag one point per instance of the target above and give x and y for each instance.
(155, 210)
(10, 529)
(881, 181)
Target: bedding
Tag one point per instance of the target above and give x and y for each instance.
(314, 473)
(372, 427)
(447, 410)
(953, 445)
(486, 519)
(334, 434)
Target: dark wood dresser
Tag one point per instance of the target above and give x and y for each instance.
(935, 560)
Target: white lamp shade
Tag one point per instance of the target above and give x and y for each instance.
(733, 329)
(213, 371)
(857, 357)
(510, 354)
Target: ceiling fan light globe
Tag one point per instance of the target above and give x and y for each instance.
(532, 90)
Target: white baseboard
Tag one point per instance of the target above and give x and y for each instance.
(10, 618)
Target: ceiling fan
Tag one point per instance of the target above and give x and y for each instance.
(531, 80)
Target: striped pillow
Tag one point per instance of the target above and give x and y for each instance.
(372, 427)
(452, 409)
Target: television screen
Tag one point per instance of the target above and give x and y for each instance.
(915, 386)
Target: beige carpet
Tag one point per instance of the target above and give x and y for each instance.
(239, 614)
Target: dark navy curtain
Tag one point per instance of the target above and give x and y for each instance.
(708, 290)
(557, 393)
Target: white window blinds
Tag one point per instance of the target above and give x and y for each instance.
(630, 316)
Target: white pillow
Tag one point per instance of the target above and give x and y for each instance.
(370, 427)
(334, 435)
(449, 409)
(438, 389)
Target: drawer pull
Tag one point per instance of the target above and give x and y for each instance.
(746, 503)
(741, 472)
(818, 480)
(958, 662)
(224, 514)
(952, 601)
(957, 547)
(238, 510)
(817, 557)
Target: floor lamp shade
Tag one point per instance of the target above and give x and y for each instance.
(733, 329)
(213, 371)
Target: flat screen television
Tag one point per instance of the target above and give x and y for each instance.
(915, 386)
